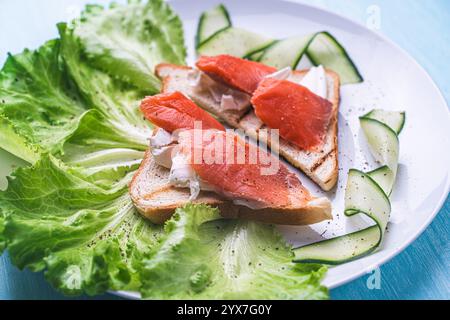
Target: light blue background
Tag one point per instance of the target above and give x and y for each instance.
(420, 27)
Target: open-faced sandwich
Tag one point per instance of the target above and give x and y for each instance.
(164, 178)
(303, 105)
(214, 166)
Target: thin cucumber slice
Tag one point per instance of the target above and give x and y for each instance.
(287, 52)
(393, 119)
(363, 195)
(384, 177)
(255, 56)
(234, 41)
(321, 48)
(211, 22)
(215, 35)
(340, 249)
(366, 193)
(383, 142)
(327, 51)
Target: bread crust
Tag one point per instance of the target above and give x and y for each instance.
(157, 200)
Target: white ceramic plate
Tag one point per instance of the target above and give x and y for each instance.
(393, 81)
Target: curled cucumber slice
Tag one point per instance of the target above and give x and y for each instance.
(326, 50)
(287, 52)
(211, 22)
(216, 35)
(234, 41)
(362, 195)
(384, 177)
(340, 249)
(365, 193)
(382, 141)
(255, 56)
(393, 119)
(321, 48)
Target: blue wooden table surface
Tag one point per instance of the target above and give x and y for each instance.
(421, 271)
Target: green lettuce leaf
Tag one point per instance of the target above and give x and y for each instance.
(128, 41)
(39, 105)
(115, 99)
(2, 236)
(101, 150)
(200, 257)
(88, 237)
(42, 104)
(75, 218)
(71, 108)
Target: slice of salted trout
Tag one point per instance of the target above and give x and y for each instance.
(301, 116)
(173, 111)
(238, 73)
(242, 173)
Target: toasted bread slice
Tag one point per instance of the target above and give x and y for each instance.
(321, 166)
(178, 78)
(157, 200)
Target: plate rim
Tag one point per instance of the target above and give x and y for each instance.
(439, 204)
(445, 194)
